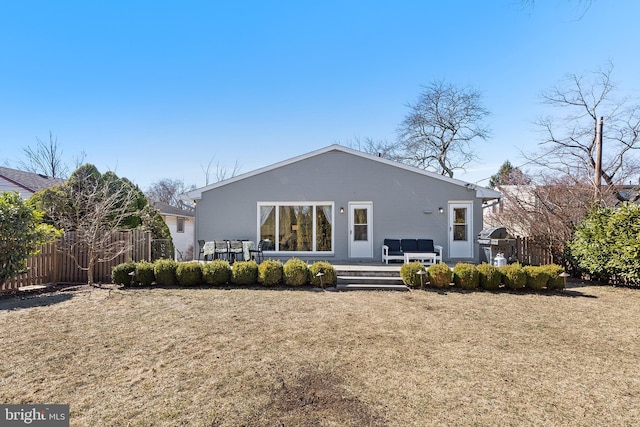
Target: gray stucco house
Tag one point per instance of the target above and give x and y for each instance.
(339, 204)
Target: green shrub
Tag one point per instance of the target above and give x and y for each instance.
(537, 277)
(556, 281)
(296, 272)
(189, 273)
(244, 273)
(466, 276)
(216, 272)
(270, 272)
(329, 278)
(411, 278)
(490, 277)
(144, 273)
(165, 272)
(606, 243)
(440, 275)
(120, 273)
(514, 276)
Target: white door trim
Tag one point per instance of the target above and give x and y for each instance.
(461, 238)
(363, 247)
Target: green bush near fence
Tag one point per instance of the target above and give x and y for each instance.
(556, 282)
(489, 277)
(514, 275)
(144, 273)
(120, 273)
(537, 277)
(165, 272)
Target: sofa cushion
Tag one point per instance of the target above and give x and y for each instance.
(393, 245)
(409, 245)
(425, 245)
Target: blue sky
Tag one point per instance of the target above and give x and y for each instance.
(156, 89)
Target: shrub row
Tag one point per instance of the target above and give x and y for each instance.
(484, 276)
(294, 272)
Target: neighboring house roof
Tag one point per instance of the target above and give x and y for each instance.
(167, 209)
(481, 192)
(29, 181)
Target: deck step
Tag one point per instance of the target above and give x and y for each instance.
(370, 287)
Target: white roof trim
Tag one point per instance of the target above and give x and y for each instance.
(481, 192)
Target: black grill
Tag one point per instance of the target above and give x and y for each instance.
(489, 234)
(494, 241)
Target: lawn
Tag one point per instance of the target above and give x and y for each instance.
(230, 357)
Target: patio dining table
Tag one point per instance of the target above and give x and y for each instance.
(209, 249)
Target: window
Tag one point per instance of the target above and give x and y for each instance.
(180, 225)
(297, 227)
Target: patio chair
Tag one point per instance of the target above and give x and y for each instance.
(201, 243)
(236, 252)
(222, 249)
(256, 253)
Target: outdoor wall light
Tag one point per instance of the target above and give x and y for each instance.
(341, 210)
(441, 211)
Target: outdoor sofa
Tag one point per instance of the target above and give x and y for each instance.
(395, 249)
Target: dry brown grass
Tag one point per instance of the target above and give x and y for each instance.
(277, 357)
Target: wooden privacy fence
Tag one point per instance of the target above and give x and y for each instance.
(55, 265)
(530, 252)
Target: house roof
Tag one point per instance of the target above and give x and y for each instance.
(167, 209)
(28, 180)
(481, 192)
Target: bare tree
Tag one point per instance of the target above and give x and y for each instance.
(220, 173)
(570, 144)
(440, 128)
(380, 148)
(45, 158)
(93, 209)
(547, 211)
(168, 191)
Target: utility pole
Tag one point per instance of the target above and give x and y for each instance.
(598, 175)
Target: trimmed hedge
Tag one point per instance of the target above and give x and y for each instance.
(120, 273)
(537, 277)
(466, 276)
(165, 272)
(270, 272)
(490, 277)
(440, 275)
(296, 272)
(329, 278)
(556, 281)
(189, 273)
(216, 272)
(515, 276)
(411, 278)
(144, 273)
(244, 273)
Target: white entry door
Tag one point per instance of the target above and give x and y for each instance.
(460, 230)
(360, 230)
